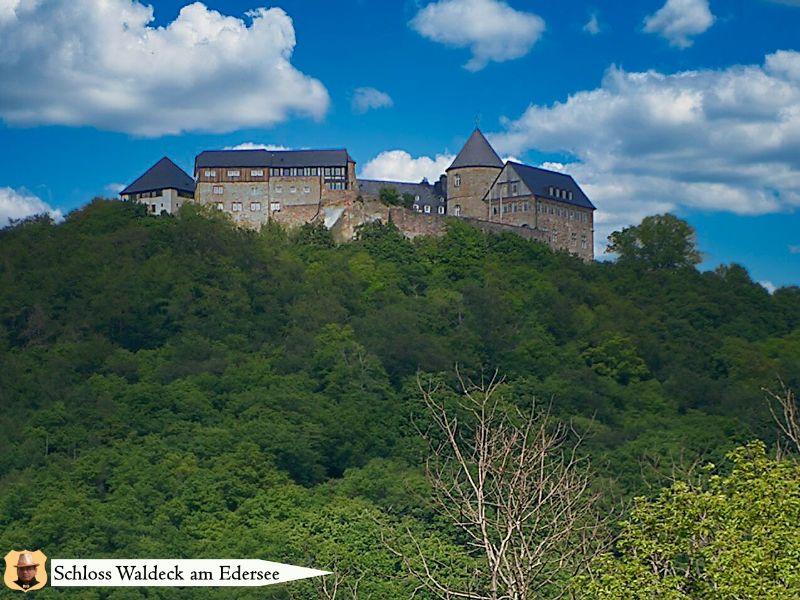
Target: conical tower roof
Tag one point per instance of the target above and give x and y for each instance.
(477, 152)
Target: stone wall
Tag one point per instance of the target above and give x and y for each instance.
(524, 232)
(475, 182)
(250, 195)
(413, 223)
(570, 228)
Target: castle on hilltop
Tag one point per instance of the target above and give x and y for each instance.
(293, 187)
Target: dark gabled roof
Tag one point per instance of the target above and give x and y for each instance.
(426, 191)
(539, 181)
(310, 158)
(272, 158)
(163, 175)
(232, 158)
(477, 152)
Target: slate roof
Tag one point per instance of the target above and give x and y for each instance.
(163, 175)
(540, 180)
(477, 152)
(426, 191)
(272, 158)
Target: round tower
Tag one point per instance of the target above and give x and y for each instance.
(470, 176)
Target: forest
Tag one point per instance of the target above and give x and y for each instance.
(177, 387)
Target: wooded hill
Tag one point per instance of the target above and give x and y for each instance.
(178, 387)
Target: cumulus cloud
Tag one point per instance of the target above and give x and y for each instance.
(643, 143)
(680, 20)
(18, 204)
(114, 188)
(492, 30)
(101, 63)
(255, 146)
(368, 98)
(794, 249)
(399, 165)
(592, 26)
(768, 285)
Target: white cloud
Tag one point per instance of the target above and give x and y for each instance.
(679, 20)
(18, 204)
(114, 188)
(592, 26)
(794, 249)
(255, 146)
(768, 285)
(368, 98)
(492, 30)
(643, 143)
(101, 63)
(399, 165)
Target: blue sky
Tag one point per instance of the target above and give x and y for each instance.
(691, 106)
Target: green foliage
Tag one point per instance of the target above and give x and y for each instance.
(180, 387)
(616, 358)
(735, 536)
(658, 242)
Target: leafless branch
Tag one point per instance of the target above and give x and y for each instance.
(513, 484)
(786, 413)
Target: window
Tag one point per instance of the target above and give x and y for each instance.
(513, 189)
(573, 238)
(275, 172)
(217, 189)
(495, 210)
(327, 171)
(275, 206)
(278, 189)
(292, 189)
(526, 207)
(457, 209)
(441, 210)
(457, 181)
(427, 209)
(583, 242)
(255, 206)
(416, 197)
(254, 191)
(236, 206)
(572, 215)
(210, 173)
(257, 173)
(552, 210)
(306, 189)
(234, 173)
(220, 206)
(415, 207)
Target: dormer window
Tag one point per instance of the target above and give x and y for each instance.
(234, 173)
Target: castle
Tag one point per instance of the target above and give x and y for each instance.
(293, 187)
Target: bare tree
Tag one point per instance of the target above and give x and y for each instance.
(342, 583)
(786, 413)
(515, 489)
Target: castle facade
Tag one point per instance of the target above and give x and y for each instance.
(293, 187)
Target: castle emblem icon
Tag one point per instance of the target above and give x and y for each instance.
(25, 570)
